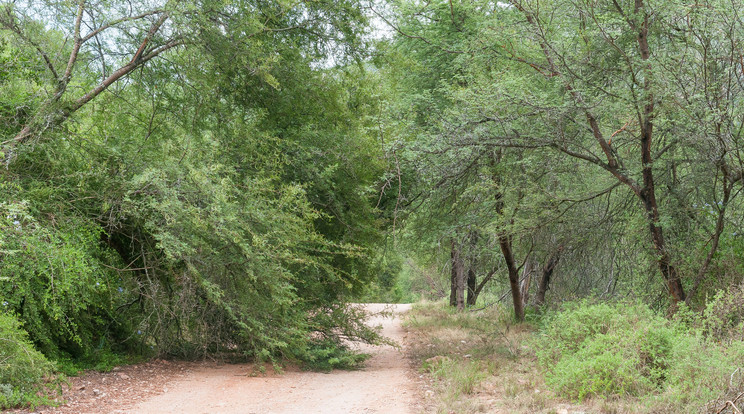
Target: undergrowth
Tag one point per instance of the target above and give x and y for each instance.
(466, 356)
(329, 355)
(26, 376)
(624, 350)
(587, 356)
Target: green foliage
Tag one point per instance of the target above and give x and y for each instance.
(624, 349)
(327, 355)
(53, 276)
(226, 209)
(550, 114)
(24, 371)
(603, 349)
(20, 80)
(100, 359)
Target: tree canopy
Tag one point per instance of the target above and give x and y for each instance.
(204, 177)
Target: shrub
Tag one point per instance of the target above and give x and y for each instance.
(23, 369)
(624, 349)
(52, 275)
(605, 350)
(327, 355)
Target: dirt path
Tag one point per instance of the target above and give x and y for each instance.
(382, 387)
(385, 385)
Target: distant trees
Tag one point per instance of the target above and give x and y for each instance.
(545, 107)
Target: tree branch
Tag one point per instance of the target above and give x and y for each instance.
(11, 25)
(118, 21)
(122, 71)
(62, 86)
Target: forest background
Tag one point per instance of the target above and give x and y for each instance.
(224, 177)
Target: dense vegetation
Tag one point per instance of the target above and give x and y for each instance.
(589, 356)
(186, 179)
(208, 177)
(601, 137)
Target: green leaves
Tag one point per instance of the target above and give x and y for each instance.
(54, 278)
(212, 201)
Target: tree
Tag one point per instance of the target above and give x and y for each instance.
(90, 28)
(190, 177)
(603, 84)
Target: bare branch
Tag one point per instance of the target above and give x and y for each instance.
(118, 21)
(11, 25)
(122, 71)
(74, 54)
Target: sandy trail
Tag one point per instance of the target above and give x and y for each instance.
(383, 386)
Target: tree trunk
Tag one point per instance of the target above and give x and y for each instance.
(482, 284)
(648, 192)
(646, 115)
(547, 272)
(472, 278)
(506, 246)
(453, 274)
(506, 249)
(458, 270)
(526, 282)
(716, 237)
(664, 261)
(472, 295)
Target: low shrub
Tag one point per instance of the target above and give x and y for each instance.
(25, 374)
(327, 355)
(606, 350)
(625, 349)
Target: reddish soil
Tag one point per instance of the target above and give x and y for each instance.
(385, 385)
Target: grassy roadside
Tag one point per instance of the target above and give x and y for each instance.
(601, 358)
(479, 362)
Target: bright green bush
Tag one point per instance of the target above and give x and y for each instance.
(604, 349)
(625, 349)
(53, 277)
(23, 369)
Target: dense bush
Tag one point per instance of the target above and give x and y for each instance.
(604, 349)
(625, 349)
(23, 369)
(53, 276)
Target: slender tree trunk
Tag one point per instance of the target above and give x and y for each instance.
(472, 278)
(526, 282)
(458, 269)
(472, 295)
(513, 270)
(648, 192)
(482, 284)
(453, 274)
(663, 259)
(505, 243)
(716, 237)
(547, 273)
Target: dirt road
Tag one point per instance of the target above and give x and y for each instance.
(383, 386)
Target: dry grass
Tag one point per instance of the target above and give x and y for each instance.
(481, 362)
